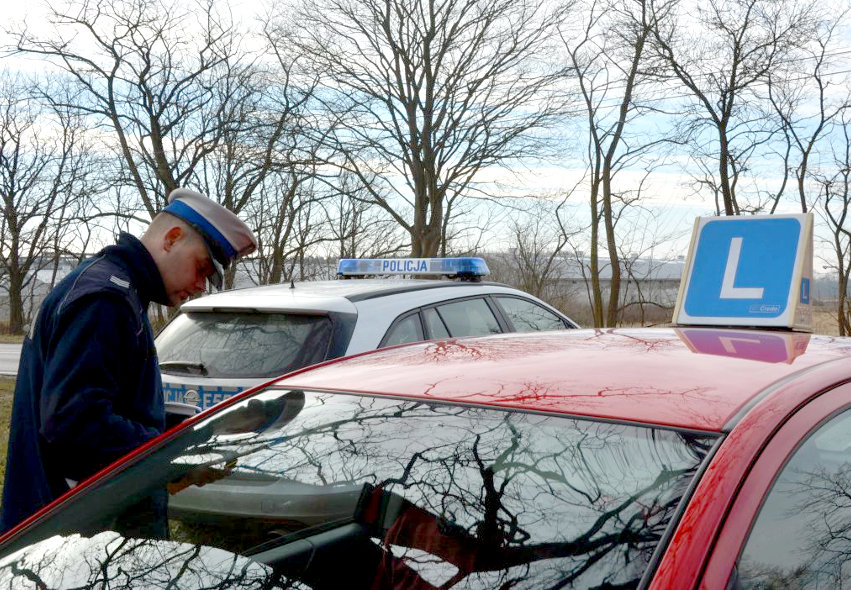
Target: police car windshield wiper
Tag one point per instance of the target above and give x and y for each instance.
(184, 367)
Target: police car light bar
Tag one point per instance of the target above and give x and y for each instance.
(465, 267)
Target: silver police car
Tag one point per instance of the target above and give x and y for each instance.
(220, 344)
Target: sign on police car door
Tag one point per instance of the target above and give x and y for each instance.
(748, 271)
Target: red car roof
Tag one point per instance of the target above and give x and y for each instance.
(687, 377)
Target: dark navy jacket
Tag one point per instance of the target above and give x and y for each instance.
(88, 388)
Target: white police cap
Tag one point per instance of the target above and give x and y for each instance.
(226, 235)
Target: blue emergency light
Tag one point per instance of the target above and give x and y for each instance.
(454, 267)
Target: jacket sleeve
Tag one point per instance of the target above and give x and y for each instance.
(86, 393)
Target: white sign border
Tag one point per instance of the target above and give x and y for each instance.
(796, 316)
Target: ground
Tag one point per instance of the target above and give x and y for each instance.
(825, 322)
(7, 387)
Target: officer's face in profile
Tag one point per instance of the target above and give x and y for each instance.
(186, 264)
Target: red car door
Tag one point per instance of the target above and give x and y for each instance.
(790, 523)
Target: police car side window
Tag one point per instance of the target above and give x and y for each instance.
(435, 325)
(470, 317)
(802, 535)
(527, 316)
(407, 329)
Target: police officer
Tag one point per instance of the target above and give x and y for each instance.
(89, 388)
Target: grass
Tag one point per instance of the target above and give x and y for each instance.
(825, 322)
(7, 389)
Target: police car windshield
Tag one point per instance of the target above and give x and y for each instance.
(235, 345)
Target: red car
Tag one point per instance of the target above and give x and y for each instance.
(670, 458)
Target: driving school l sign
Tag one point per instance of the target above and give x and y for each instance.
(748, 271)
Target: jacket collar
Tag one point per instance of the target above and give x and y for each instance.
(140, 265)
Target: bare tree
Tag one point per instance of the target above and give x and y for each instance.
(651, 279)
(281, 216)
(722, 52)
(427, 96)
(793, 88)
(358, 228)
(150, 72)
(108, 559)
(608, 56)
(45, 169)
(264, 148)
(835, 209)
(537, 253)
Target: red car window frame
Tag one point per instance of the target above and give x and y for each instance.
(758, 482)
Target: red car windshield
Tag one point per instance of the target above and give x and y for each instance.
(312, 490)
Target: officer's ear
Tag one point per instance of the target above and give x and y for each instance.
(172, 236)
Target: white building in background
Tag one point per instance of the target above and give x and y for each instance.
(649, 286)
(50, 270)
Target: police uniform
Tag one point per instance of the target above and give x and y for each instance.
(89, 388)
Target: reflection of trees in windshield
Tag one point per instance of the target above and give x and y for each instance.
(347, 491)
(501, 499)
(108, 560)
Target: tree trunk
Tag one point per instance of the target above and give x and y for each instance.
(16, 301)
(596, 291)
(425, 241)
(842, 311)
(276, 272)
(730, 207)
(611, 245)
